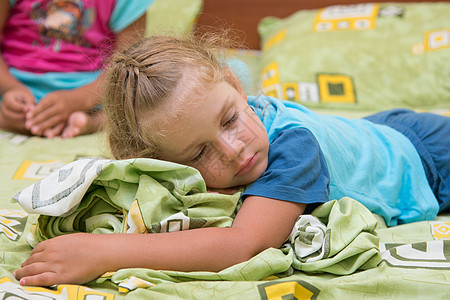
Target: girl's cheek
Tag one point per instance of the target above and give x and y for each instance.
(213, 171)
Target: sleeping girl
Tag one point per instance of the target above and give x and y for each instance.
(174, 100)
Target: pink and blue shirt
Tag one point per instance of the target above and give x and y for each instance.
(65, 42)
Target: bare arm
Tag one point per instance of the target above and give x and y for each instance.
(16, 97)
(260, 223)
(7, 81)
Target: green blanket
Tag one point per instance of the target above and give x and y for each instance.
(152, 196)
(350, 253)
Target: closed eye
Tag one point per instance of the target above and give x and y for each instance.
(200, 155)
(233, 119)
(229, 122)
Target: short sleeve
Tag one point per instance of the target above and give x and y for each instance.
(296, 172)
(126, 12)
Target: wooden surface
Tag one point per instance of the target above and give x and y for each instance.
(244, 15)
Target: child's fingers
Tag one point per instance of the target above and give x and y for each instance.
(27, 108)
(17, 100)
(47, 107)
(40, 108)
(40, 127)
(37, 116)
(13, 104)
(31, 269)
(36, 255)
(33, 259)
(13, 115)
(42, 279)
(12, 112)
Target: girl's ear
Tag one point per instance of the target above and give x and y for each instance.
(235, 82)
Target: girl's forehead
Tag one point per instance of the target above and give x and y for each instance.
(173, 115)
(187, 97)
(195, 114)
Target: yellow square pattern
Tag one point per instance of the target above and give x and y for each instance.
(290, 91)
(289, 289)
(37, 170)
(336, 88)
(346, 17)
(438, 39)
(440, 230)
(270, 75)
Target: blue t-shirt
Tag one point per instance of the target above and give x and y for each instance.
(296, 170)
(371, 163)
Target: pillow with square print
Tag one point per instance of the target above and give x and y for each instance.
(367, 56)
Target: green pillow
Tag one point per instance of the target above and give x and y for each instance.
(174, 17)
(366, 56)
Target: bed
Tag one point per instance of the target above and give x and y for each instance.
(345, 60)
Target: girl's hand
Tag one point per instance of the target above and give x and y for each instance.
(13, 108)
(74, 258)
(50, 114)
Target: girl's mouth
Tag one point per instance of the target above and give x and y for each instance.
(247, 165)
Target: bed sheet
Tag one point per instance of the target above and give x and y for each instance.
(412, 261)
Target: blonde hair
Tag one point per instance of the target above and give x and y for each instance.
(143, 78)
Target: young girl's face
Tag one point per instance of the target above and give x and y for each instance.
(219, 135)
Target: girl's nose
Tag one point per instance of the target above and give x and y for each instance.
(230, 148)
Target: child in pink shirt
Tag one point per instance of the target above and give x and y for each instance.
(52, 55)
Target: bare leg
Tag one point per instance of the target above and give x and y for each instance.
(80, 123)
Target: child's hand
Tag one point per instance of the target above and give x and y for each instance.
(49, 116)
(73, 258)
(13, 107)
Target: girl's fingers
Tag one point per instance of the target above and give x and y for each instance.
(15, 105)
(40, 128)
(43, 279)
(32, 269)
(13, 115)
(36, 271)
(41, 113)
(41, 117)
(40, 109)
(33, 259)
(35, 255)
